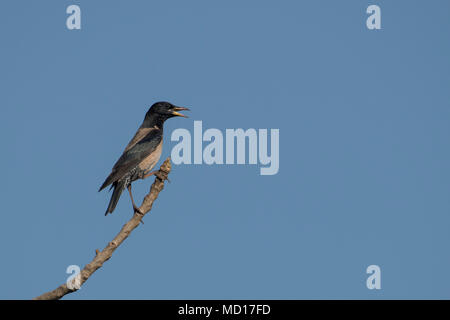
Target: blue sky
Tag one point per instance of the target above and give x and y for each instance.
(364, 155)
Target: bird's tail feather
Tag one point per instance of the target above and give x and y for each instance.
(118, 188)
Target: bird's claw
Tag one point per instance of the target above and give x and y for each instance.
(137, 210)
(162, 175)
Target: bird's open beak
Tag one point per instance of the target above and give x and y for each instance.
(176, 113)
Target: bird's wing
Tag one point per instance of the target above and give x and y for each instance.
(133, 156)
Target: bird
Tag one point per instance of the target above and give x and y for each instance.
(141, 154)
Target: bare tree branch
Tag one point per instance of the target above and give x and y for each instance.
(104, 255)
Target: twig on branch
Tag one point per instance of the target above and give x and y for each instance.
(104, 255)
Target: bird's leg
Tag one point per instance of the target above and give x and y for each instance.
(158, 174)
(149, 174)
(135, 208)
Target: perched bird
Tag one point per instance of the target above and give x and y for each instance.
(141, 154)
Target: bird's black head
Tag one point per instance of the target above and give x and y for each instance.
(160, 112)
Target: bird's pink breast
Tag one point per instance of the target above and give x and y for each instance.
(149, 162)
